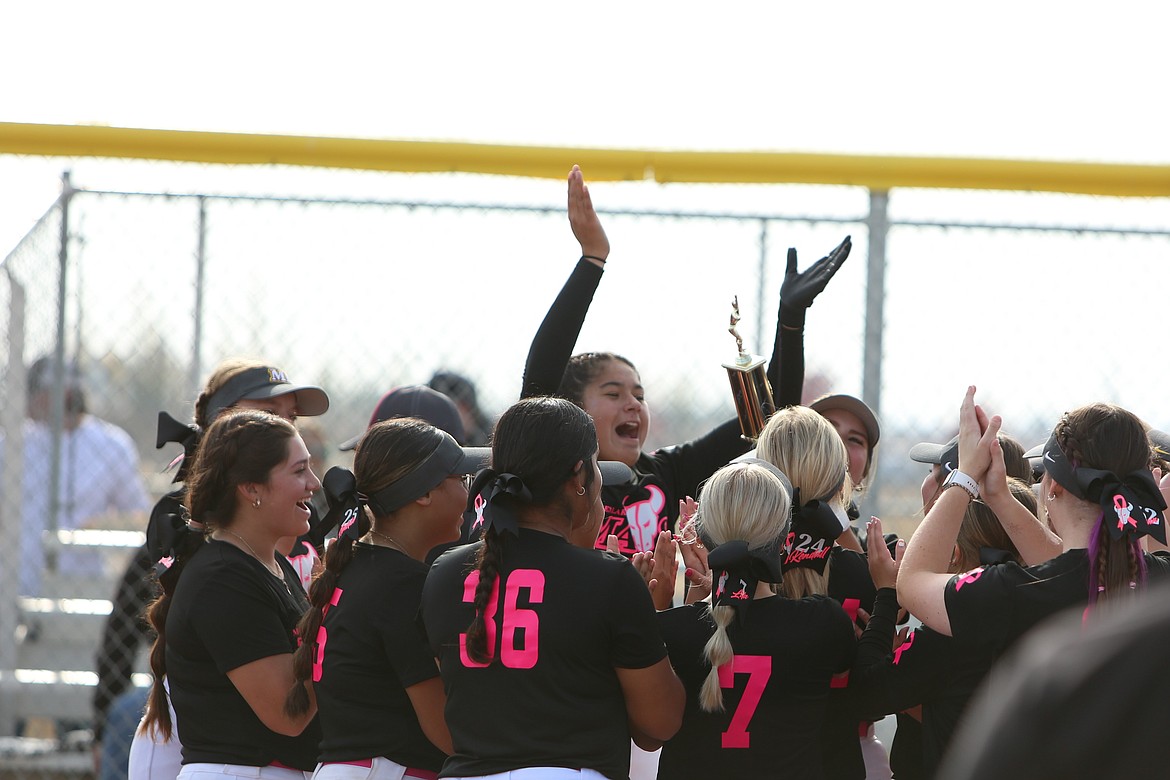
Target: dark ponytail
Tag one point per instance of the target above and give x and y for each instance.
(488, 562)
(158, 714)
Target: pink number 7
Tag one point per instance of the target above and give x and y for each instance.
(758, 668)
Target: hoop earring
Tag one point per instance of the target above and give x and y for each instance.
(1051, 496)
(581, 491)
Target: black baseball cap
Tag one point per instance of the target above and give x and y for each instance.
(415, 401)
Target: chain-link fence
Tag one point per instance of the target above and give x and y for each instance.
(132, 298)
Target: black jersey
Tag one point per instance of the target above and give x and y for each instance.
(851, 585)
(775, 691)
(227, 611)
(992, 606)
(929, 669)
(371, 650)
(559, 621)
(1074, 699)
(637, 511)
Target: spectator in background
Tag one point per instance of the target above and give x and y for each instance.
(477, 425)
(97, 476)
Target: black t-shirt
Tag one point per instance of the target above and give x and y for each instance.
(852, 587)
(372, 652)
(786, 651)
(637, 511)
(227, 611)
(929, 669)
(992, 606)
(560, 620)
(1074, 699)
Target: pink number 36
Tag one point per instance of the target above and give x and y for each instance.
(514, 654)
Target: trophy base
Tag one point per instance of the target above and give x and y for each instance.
(752, 394)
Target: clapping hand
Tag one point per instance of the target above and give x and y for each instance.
(883, 567)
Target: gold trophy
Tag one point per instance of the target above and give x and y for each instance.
(749, 384)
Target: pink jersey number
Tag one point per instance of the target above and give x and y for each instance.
(323, 635)
(758, 668)
(514, 654)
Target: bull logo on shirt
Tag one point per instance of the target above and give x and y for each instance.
(636, 525)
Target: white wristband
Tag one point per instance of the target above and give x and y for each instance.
(958, 479)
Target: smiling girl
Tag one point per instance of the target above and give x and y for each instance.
(227, 617)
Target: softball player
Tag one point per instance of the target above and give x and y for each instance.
(757, 666)
(549, 650)
(375, 679)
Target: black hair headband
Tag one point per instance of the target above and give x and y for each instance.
(345, 503)
(1130, 505)
(815, 527)
(736, 569)
(439, 465)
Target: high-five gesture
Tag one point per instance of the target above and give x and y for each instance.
(583, 219)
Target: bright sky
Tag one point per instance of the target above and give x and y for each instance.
(1057, 80)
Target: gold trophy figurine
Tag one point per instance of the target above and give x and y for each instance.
(749, 384)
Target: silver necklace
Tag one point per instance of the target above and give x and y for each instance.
(277, 573)
(393, 542)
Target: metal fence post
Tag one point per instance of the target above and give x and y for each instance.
(57, 395)
(878, 224)
(195, 375)
(12, 488)
(761, 274)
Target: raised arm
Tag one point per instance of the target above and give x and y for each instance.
(797, 293)
(557, 336)
(923, 575)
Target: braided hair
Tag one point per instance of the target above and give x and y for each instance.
(741, 502)
(1105, 436)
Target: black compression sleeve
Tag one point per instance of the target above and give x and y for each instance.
(557, 336)
(786, 368)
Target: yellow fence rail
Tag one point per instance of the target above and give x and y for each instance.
(871, 172)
